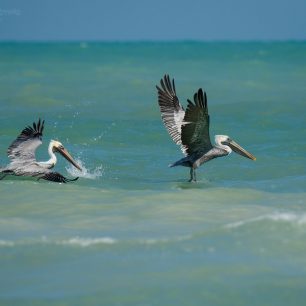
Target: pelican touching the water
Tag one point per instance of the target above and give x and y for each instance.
(190, 128)
(23, 161)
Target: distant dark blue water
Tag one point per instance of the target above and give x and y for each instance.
(132, 231)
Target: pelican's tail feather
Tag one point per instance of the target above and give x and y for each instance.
(185, 162)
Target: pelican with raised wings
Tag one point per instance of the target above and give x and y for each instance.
(190, 128)
(23, 161)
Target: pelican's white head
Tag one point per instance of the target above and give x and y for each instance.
(221, 141)
(221, 138)
(226, 143)
(56, 146)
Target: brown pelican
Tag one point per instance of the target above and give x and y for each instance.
(23, 161)
(190, 129)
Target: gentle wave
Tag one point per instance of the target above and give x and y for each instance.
(74, 241)
(85, 242)
(164, 240)
(85, 173)
(277, 217)
(6, 243)
(88, 241)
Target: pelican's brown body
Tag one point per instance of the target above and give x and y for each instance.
(190, 128)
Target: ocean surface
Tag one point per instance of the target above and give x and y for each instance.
(132, 231)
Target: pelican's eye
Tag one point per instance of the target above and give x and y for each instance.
(226, 141)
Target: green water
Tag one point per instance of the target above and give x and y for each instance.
(132, 231)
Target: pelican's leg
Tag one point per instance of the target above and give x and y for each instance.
(192, 175)
(2, 176)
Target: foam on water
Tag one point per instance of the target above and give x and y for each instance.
(89, 241)
(85, 242)
(288, 217)
(73, 241)
(6, 243)
(165, 240)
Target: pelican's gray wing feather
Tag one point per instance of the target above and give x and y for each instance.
(35, 170)
(172, 112)
(195, 128)
(24, 146)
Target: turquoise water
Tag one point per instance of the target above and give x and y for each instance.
(132, 231)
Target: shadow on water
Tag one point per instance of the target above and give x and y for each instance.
(200, 184)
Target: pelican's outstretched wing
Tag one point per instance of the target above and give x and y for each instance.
(56, 177)
(25, 145)
(172, 111)
(195, 128)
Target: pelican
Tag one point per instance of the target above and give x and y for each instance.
(22, 155)
(190, 129)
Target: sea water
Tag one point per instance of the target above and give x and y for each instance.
(132, 231)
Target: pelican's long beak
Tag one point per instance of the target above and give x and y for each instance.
(236, 148)
(65, 153)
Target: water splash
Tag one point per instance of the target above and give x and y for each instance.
(85, 173)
